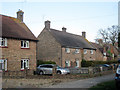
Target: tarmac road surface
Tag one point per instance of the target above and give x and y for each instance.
(84, 83)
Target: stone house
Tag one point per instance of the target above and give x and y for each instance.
(66, 49)
(104, 51)
(17, 44)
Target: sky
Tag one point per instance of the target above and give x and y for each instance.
(76, 16)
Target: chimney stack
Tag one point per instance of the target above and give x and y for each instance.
(20, 15)
(84, 34)
(47, 25)
(64, 29)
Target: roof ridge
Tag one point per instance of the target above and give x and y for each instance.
(66, 32)
(7, 16)
(70, 39)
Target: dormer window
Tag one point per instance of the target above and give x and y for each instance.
(24, 44)
(67, 50)
(3, 42)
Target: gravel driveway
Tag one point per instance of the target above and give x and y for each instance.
(84, 83)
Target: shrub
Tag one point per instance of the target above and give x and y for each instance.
(39, 62)
(85, 63)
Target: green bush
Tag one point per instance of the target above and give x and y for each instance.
(85, 63)
(39, 62)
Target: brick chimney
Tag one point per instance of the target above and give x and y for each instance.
(20, 15)
(64, 29)
(47, 25)
(84, 34)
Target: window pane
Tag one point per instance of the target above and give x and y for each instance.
(24, 64)
(5, 65)
(0, 66)
(77, 63)
(21, 63)
(5, 41)
(2, 43)
(21, 43)
(67, 50)
(24, 43)
(27, 42)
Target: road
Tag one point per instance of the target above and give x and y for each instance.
(84, 83)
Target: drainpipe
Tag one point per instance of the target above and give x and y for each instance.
(61, 57)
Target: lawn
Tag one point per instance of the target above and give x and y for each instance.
(110, 85)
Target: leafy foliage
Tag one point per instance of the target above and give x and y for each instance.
(85, 63)
(39, 62)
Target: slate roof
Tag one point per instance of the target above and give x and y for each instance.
(97, 46)
(71, 40)
(14, 28)
(107, 47)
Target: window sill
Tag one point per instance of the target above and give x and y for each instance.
(25, 48)
(3, 47)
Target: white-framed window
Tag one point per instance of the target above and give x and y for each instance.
(67, 50)
(24, 44)
(67, 63)
(77, 50)
(3, 42)
(77, 63)
(85, 51)
(104, 54)
(24, 64)
(91, 51)
(3, 64)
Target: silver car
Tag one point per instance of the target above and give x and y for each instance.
(48, 69)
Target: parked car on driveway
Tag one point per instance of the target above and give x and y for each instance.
(48, 69)
(117, 78)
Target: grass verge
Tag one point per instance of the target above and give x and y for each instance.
(109, 85)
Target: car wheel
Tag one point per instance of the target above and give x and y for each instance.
(41, 73)
(58, 72)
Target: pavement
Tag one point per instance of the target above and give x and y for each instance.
(84, 83)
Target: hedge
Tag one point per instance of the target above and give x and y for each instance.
(39, 62)
(85, 63)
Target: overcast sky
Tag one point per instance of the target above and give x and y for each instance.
(75, 16)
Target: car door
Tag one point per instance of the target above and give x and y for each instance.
(50, 69)
(44, 68)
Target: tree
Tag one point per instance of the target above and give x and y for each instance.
(109, 35)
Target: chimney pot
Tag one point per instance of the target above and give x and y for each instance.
(84, 34)
(20, 15)
(64, 29)
(47, 24)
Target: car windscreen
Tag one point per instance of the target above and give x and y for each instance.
(46, 66)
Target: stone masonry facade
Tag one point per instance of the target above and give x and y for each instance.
(13, 53)
(48, 48)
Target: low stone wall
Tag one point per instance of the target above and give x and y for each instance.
(23, 74)
(89, 70)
